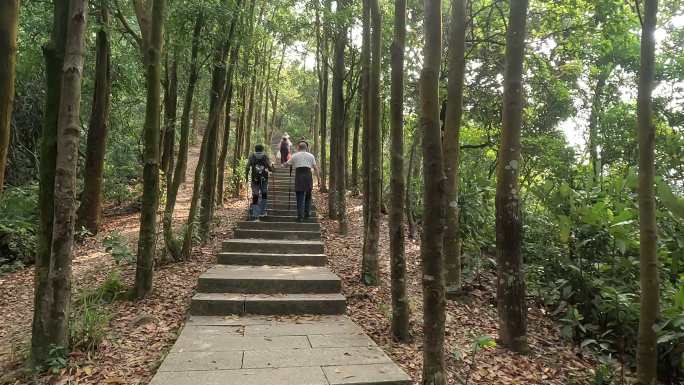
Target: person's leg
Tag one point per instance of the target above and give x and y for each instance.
(307, 204)
(255, 201)
(300, 205)
(264, 197)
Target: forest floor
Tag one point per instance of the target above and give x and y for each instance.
(551, 361)
(139, 333)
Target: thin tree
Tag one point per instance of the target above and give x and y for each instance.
(370, 269)
(647, 355)
(230, 91)
(43, 332)
(338, 162)
(452, 130)
(170, 107)
(324, 79)
(400, 303)
(434, 198)
(172, 244)
(151, 14)
(9, 21)
(90, 210)
(55, 299)
(510, 278)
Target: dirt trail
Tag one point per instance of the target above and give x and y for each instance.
(174, 284)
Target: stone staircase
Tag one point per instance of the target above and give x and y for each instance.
(270, 312)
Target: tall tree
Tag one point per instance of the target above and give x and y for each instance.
(510, 278)
(452, 129)
(339, 145)
(647, 355)
(151, 15)
(170, 240)
(9, 21)
(434, 302)
(400, 303)
(43, 332)
(90, 210)
(170, 107)
(370, 270)
(55, 300)
(323, 79)
(230, 91)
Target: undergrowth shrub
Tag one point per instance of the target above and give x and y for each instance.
(18, 227)
(117, 245)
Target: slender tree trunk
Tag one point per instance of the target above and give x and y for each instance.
(172, 244)
(195, 123)
(370, 270)
(90, 210)
(170, 107)
(510, 278)
(365, 107)
(234, 54)
(338, 123)
(43, 335)
(596, 109)
(9, 21)
(647, 355)
(355, 151)
(150, 199)
(400, 302)
(434, 199)
(452, 131)
(412, 170)
(53, 281)
(250, 114)
(239, 140)
(324, 104)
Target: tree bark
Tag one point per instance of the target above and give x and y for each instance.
(412, 170)
(355, 151)
(43, 336)
(150, 199)
(324, 105)
(9, 22)
(400, 302)
(220, 187)
(452, 131)
(55, 295)
(365, 104)
(512, 307)
(338, 122)
(647, 355)
(370, 271)
(170, 107)
(90, 210)
(596, 109)
(173, 245)
(434, 199)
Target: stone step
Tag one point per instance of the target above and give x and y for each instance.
(268, 280)
(287, 212)
(273, 246)
(258, 225)
(277, 234)
(218, 304)
(258, 259)
(286, 218)
(292, 205)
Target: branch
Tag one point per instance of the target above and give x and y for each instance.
(127, 27)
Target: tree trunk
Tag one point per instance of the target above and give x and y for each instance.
(53, 280)
(647, 355)
(370, 271)
(9, 21)
(234, 54)
(172, 244)
(249, 122)
(355, 151)
(434, 199)
(400, 302)
(150, 199)
(452, 131)
(596, 109)
(324, 106)
(412, 170)
(239, 140)
(365, 107)
(43, 335)
(170, 107)
(90, 210)
(510, 278)
(338, 123)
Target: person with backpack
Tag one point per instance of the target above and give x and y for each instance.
(285, 146)
(258, 167)
(303, 161)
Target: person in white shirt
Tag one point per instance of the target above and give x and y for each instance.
(303, 161)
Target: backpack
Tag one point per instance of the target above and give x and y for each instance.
(260, 167)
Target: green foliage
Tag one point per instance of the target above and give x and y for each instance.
(57, 358)
(18, 227)
(117, 246)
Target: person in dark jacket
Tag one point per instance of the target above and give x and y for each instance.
(258, 167)
(285, 146)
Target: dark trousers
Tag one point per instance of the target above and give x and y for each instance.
(303, 203)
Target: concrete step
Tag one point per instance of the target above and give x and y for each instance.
(292, 211)
(268, 280)
(286, 218)
(285, 205)
(273, 246)
(258, 225)
(258, 259)
(277, 234)
(217, 304)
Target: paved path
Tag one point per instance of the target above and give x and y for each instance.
(271, 313)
